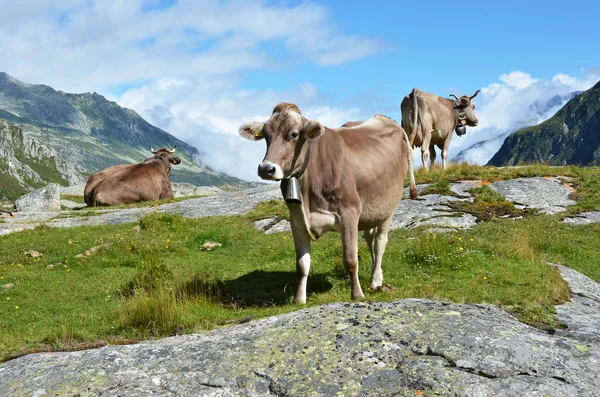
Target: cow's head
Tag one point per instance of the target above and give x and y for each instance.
(286, 132)
(166, 156)
(465, 105)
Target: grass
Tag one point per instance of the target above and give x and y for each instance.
(149, 279)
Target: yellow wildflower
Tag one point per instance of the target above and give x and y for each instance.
(16, 307)
(7, 299)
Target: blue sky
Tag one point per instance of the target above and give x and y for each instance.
(198, 69)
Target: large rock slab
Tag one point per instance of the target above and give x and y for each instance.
(548, 195)
(44, 199)
(350, 349)
(582, 313)
(182, 189)
(584, 218)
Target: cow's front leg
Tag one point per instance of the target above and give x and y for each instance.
(425, 150)
(445, 152)
(302, 245)
(350, 255)
(377, 240)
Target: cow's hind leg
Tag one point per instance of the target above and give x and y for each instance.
(302, 245)
(350, 255)
(432, 155)
(377, 239)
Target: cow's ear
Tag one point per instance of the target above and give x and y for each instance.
(465, 101)
(313, 129)
(175, 160)
(252, 131)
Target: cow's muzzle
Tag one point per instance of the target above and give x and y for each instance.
(270, 171)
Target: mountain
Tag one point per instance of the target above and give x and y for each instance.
(536, 112)
(571, 136)
(53, 136)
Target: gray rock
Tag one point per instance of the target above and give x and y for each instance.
(351, 349)
(181, 189)
(74, 190)
(582, 313)
(583, 218)
(431, 210)
(44, 199)
(547, 195)
(72, 205)
(273, 225)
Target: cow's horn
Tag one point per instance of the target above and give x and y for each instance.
(454, 95)
(174, 147)
(475, 94)
(152, 149)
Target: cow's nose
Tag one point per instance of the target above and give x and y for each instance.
(266, 170)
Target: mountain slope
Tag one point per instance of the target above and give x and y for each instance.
(536, 112)
(90, 133)
(571, 136)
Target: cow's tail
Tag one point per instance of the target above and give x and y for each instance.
(415, 118)
(414, 194)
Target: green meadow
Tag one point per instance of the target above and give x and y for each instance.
(125, 283)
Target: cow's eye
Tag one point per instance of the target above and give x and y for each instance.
(294, 135)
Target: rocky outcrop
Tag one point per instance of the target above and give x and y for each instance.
(182, 189)
(28, 163)
(40, 200)
(404, 348)
(547, 195)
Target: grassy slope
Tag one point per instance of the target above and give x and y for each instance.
(152, 280)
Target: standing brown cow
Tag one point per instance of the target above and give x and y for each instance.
(430, 119)
(351, 179)
(130, 183)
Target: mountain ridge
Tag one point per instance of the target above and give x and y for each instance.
(570, 137)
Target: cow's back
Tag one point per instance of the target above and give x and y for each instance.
(377, 159)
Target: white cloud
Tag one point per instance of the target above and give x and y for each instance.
(208, 115)
(517, 79)
(96, 45)
(519, 101)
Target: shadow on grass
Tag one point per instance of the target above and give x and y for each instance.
(258, 288)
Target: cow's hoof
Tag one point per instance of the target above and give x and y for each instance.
(374, 286)
(358, 297)
(300, 300)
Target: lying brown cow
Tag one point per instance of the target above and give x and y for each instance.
(350, 178)
(430, 120)
(130, 183)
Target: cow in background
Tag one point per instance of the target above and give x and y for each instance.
(430, 119)
(350, 179)
(130, 183)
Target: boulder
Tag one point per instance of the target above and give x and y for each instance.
(40, 200)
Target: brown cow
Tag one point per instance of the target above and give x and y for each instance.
(130, 183)
(429, 121)
(351, 179)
